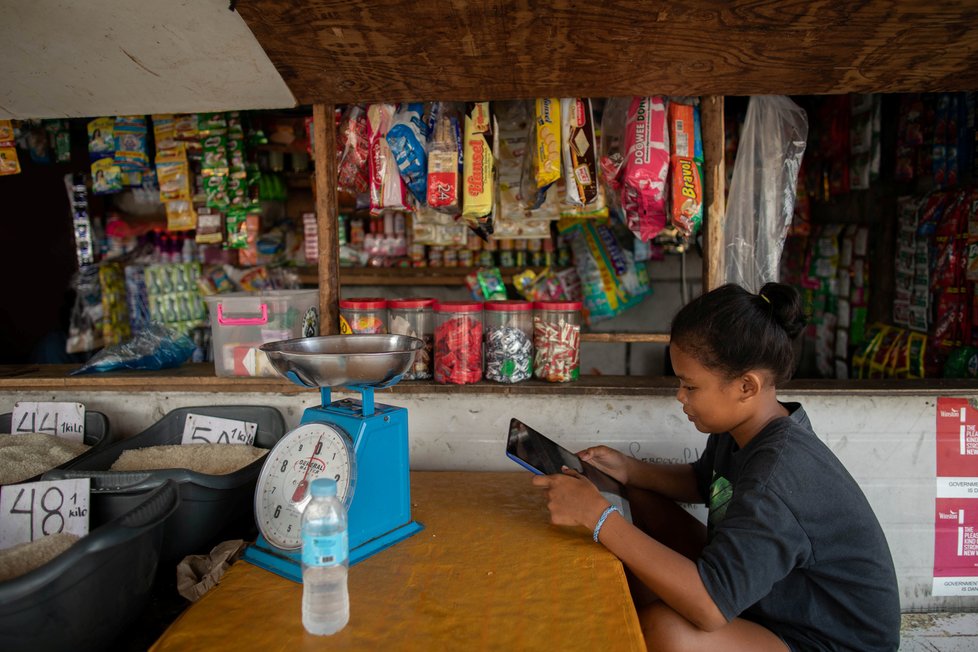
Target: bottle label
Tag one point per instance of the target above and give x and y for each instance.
(324, 550)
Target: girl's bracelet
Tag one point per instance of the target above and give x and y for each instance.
(604, 516)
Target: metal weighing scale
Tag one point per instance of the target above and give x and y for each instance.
(361, 444)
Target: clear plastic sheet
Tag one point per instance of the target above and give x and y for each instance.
(762, 192)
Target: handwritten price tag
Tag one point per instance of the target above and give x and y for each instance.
(65, 420)
(33, 510)
(201, 429)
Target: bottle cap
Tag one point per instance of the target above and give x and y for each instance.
(414, 302)
(364, 303)
(508, 305)
(323, 487)
(558, 305)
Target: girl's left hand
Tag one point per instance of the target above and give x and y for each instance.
(571, 498)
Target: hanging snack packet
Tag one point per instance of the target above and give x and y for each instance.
(210, 227)
(387, 191)
(101, 138)
(130, 143)
(106, 177)
(216, 191)
(686, 212)
(541, 163)
(209, 124)
(579, 147)
(185, 126)
(6, 131)
(408, 138)
(9, 163)
(445, 159)
(215, 159)
(353, 149)
(684, 129)
(478, 169)
(646, 167)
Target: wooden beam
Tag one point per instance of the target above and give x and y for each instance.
(399, 50)
(714, 171)
(621, 338)
(327, 217)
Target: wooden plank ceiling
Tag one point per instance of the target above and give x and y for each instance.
(339, 51)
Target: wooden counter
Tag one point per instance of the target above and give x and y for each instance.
(488, 572)
(199, 377)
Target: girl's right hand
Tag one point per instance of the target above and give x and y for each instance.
(612, 462)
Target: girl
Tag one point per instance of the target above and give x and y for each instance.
(792, 556)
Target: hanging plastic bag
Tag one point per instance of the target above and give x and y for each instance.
(762, 192)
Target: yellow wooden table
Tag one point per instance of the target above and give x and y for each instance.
(488, 572)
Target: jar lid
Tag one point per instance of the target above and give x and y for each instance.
(364, 303)
(558, 305)
(508, 305)
(413, 302)
(459, 306)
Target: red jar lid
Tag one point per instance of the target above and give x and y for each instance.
(508, 305)
(459, 306)
(364, 303)
(558, 305)
(413, 302)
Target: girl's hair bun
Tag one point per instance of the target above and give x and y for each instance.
(785, 306)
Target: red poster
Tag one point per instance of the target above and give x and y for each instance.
(956, 506)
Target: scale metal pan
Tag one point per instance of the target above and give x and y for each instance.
(344, 360)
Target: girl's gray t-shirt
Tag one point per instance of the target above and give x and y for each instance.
(793, 543)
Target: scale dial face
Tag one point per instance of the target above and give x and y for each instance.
(313, 450)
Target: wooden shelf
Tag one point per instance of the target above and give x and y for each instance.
(621, 338)
(424, 276)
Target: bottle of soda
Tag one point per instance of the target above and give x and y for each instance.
(325, 555)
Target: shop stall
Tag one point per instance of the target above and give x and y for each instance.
(331, 55)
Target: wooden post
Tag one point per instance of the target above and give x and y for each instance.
(327, 217)
(714, 171)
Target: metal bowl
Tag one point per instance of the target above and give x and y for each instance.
(344, 360)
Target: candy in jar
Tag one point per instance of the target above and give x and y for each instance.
(415, 317)
(557, 340)
(458, 342)
(509, 344)
(363, 315)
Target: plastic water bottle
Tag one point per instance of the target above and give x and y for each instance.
(325, 559)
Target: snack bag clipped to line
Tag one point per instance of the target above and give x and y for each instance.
(130, 143)
(478, 170)
(9, 163)
(579, 147)
(686, 209)
(686, 169)
(646, 167)
(353, 147)
(387, 191)
(444, 160)
(408, 141)
(101, 138)
(541, 162)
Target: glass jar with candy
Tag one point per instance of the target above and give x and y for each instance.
(458, 342)
(557, 340)
(415, 317)
(509, 341)
(361, 315)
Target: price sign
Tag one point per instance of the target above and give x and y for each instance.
(200, 429)
(33, 510)
(65, 420)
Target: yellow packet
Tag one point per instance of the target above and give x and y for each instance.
(180, 215)
(6, 131)
(547, 151)
(9, 163)
(478, 170)
(174, 181)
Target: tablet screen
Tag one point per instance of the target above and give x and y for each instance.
(545, 456)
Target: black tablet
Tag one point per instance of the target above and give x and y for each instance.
(543, 456)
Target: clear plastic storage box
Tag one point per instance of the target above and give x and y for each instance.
(243, 321)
